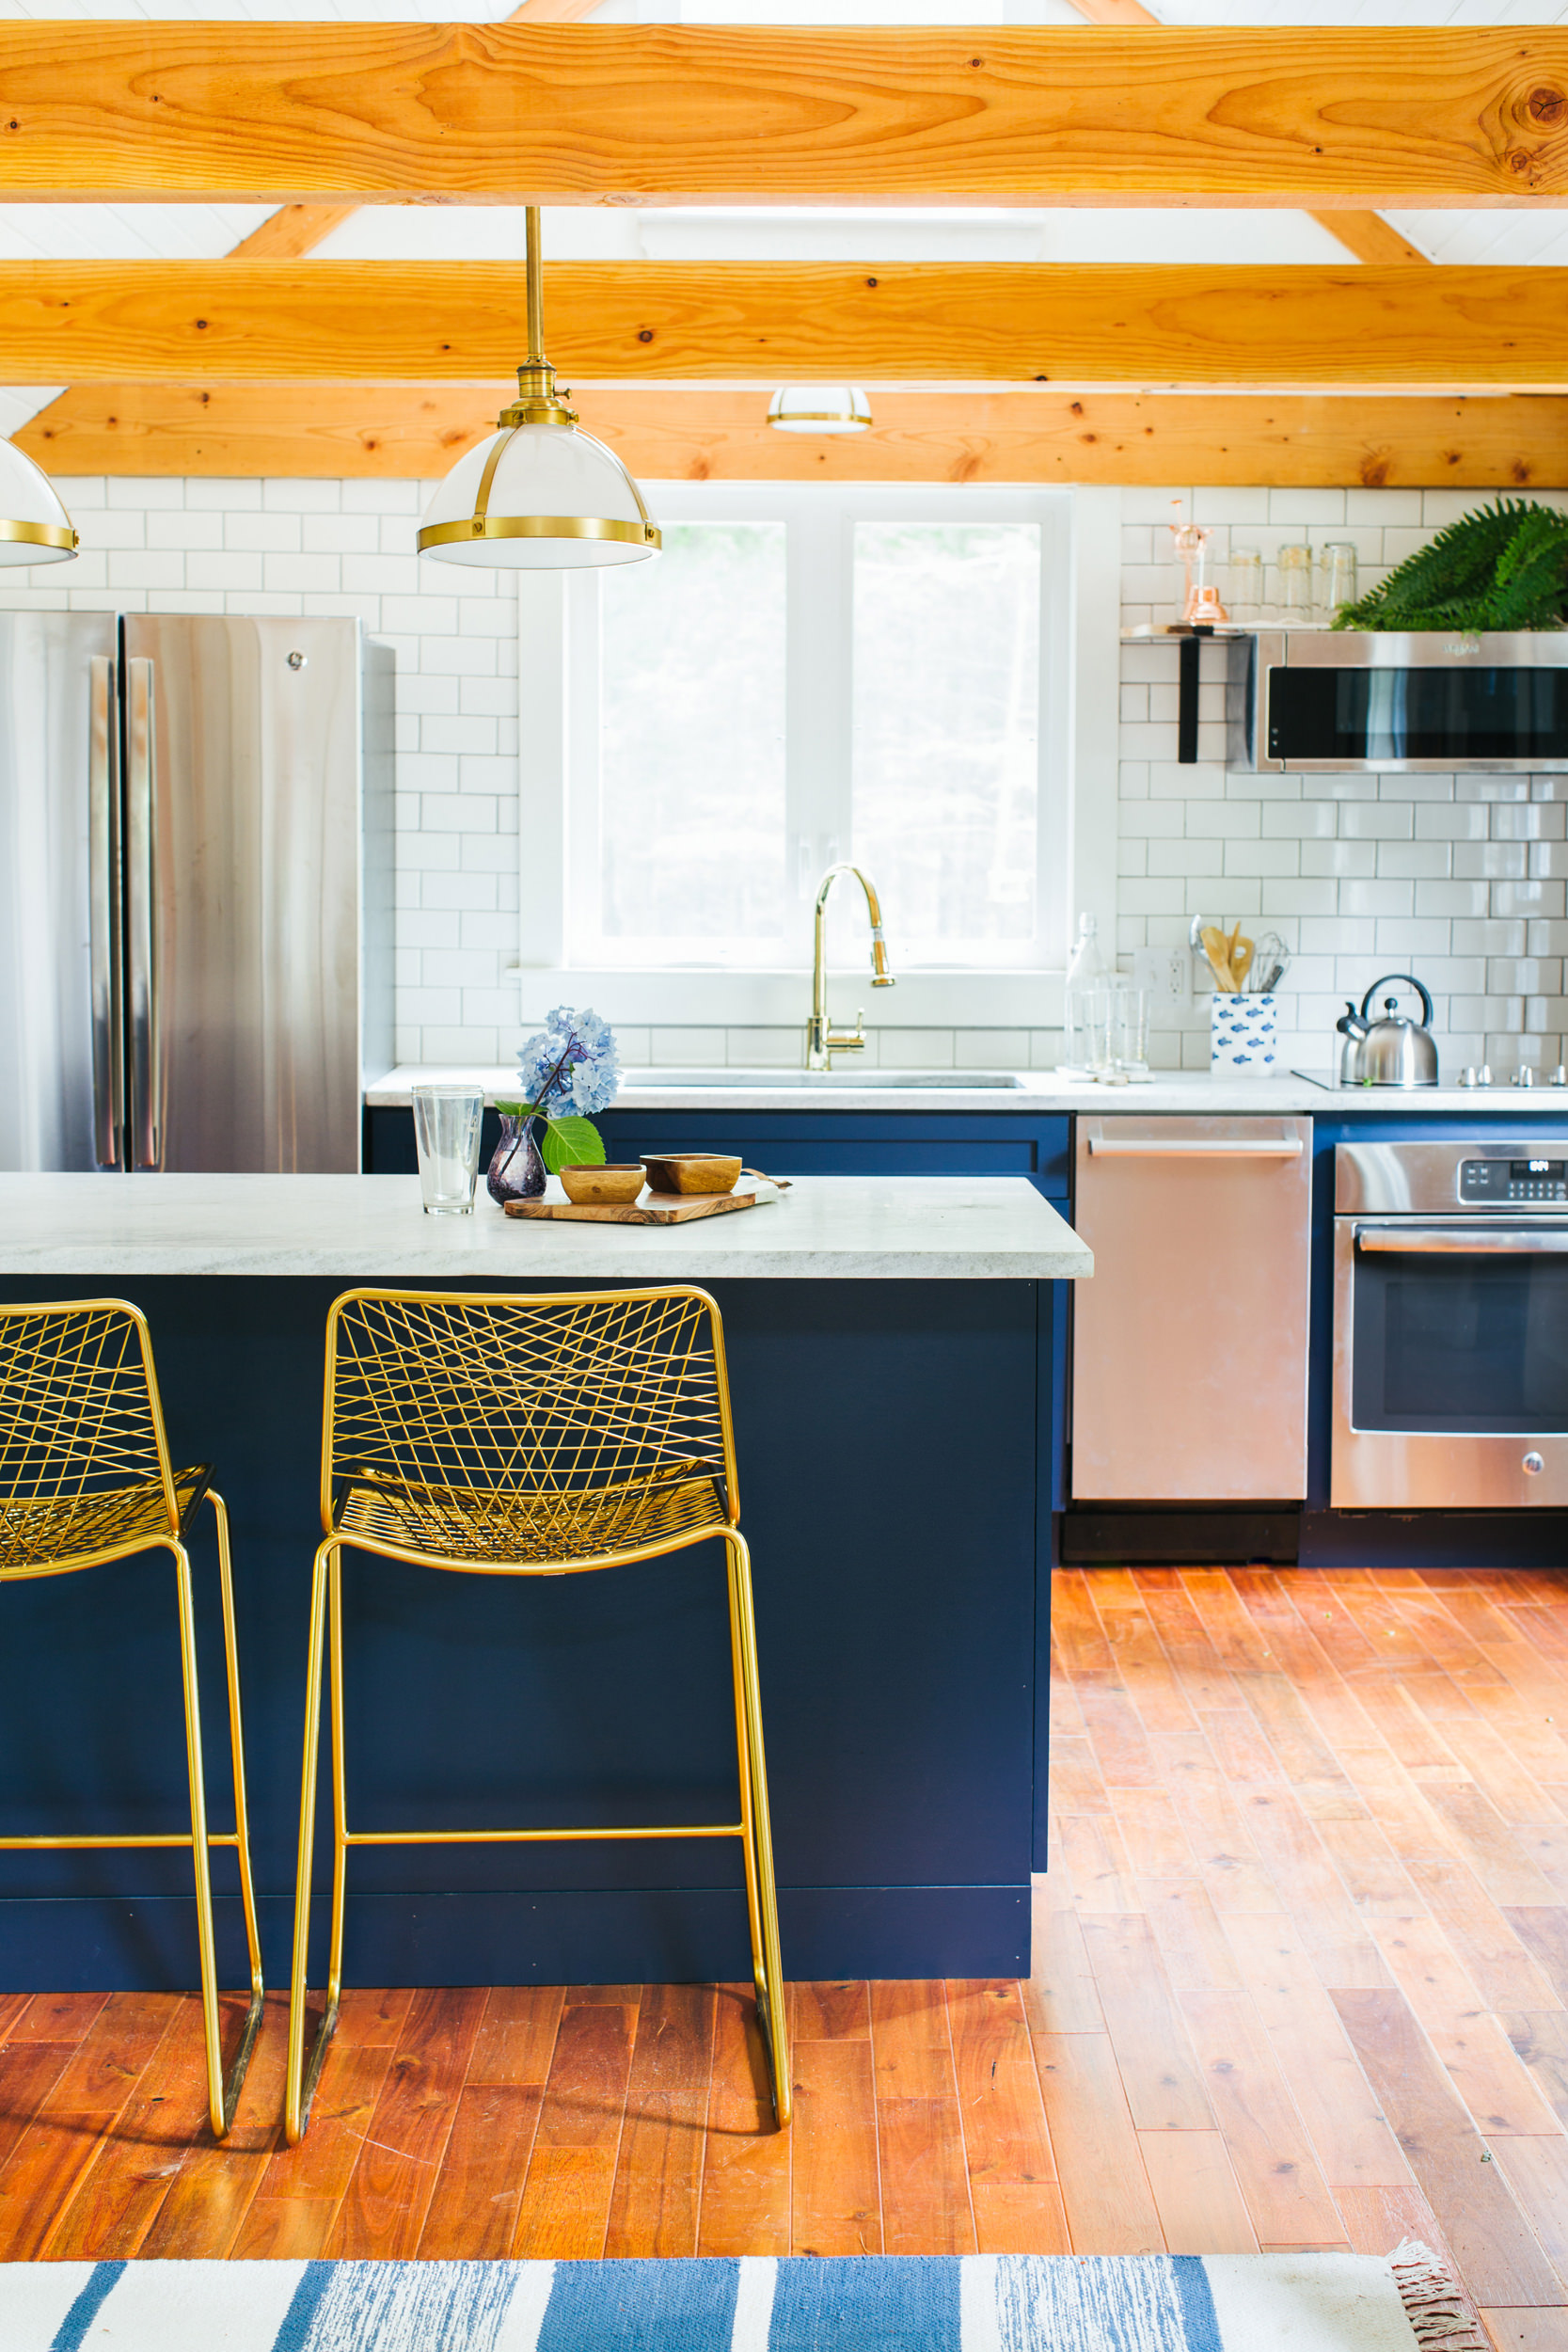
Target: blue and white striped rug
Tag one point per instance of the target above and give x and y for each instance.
(975, 2303)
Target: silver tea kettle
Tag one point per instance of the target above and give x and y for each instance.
(1388, 1050)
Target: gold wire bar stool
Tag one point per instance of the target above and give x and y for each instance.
(507, 1435)
(85, 1478)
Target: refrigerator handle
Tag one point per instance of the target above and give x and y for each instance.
(139, 965)
(108, 1061)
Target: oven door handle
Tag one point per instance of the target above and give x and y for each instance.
(1464, 1241)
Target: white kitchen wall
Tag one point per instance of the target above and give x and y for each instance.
(1460, 879)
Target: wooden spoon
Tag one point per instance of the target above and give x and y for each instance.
(1240, 959)
(1217, 948)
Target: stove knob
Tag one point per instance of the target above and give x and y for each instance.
(1484, 1076)
(1468, 1075)
(1533, 1465)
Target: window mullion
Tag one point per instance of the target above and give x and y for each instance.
(543, 689)
(817, 702)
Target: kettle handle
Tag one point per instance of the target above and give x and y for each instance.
(1410, 982)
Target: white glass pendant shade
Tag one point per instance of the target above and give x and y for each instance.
(555, 498)
(34, 526)
(819, 408)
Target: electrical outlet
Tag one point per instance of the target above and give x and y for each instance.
(1167, 975)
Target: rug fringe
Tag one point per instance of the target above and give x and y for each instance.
(1434, 2302)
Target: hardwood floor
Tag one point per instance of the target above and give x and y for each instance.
(1301, 1980)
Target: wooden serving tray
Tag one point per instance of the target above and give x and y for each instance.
(649, 1208)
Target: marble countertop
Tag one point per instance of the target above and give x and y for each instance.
(372, 1229)
(1188, 1092)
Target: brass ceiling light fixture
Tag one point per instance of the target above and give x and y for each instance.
(819, 408)
(34, 526)
(539, 494)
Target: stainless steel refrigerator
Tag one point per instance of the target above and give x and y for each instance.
(196, 890)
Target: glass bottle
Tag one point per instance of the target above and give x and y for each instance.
(1086, 1005)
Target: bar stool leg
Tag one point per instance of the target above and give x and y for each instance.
(761, 1894)
(198, 1845)
(242, 1815)
(301, 2081)
(339, 1794)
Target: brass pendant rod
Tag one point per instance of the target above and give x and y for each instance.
(535, 292)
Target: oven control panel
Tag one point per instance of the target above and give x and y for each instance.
(1501, 1181)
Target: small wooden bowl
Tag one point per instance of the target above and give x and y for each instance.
(601, 1187)
(691, 1172)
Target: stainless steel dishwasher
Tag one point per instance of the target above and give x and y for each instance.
(1189, 1347)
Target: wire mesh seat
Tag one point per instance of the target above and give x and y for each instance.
(85, 1479)
(498, 1434)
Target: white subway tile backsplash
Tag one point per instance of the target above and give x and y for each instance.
(1453, 897)
(1527, 898)
(1377, 820)
(1463, 880)
(1377, 898)
(1356, 858)
(1428, 860)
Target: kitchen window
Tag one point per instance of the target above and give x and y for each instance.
(874, 672)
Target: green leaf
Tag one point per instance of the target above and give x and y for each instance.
(512, 1110)
(572, 1142)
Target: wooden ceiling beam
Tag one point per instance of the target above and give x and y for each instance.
(1214, 325)
(1367, 235)
(119, 110)
(666, 433)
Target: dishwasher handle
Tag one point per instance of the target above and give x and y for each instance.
(1196, 1148)
(1463, 1241)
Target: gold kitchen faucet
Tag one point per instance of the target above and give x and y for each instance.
(822, 1040)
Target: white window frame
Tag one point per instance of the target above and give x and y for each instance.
(1076, 832)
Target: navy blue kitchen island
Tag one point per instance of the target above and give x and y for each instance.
(894, 1420)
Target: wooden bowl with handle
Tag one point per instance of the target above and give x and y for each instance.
(691, 1172)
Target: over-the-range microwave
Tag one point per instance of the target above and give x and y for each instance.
(1440, 699)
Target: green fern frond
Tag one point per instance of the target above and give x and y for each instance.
(1503, 567)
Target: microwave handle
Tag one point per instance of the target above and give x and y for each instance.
(1195, 1148)
(1464, 1241)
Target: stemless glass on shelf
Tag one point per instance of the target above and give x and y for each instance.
(1295, 568)
(1335, 575)
(1245, 585)
(447, 1120)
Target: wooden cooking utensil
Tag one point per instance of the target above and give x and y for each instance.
(1241, 960)
(1216, 946)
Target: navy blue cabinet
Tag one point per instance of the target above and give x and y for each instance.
(805, 1142)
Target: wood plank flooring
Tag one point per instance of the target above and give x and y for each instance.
(1301, 1980)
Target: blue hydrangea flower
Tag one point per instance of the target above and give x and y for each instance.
(571, 1067)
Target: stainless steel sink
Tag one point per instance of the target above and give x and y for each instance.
(821, 1081)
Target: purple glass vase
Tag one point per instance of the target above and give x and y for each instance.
(517, 1172)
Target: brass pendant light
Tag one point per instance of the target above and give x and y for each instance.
(539, 494)
(34, 526)
(819, 408)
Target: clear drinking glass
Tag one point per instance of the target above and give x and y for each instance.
(1130, 1029)
(1335, 575)
(446, 1129)
(1294, 566)
(1245, 584)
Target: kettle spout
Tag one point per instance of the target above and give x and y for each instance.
(1351, 1023)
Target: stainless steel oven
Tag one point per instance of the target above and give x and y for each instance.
(1451, 1326)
